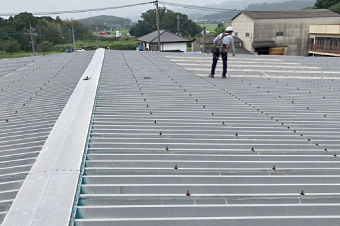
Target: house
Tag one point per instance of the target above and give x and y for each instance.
(197, 45)
(325, 40)
(280, 32)
(168, 41)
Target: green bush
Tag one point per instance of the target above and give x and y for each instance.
(45, 46)
(12, 46)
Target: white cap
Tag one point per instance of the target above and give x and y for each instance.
(229, 29)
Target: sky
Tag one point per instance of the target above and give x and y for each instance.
(16, 6)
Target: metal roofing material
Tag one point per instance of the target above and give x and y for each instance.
(33, 92)
(47, 194)
(165, 37)
(289, 14)
(170, 146)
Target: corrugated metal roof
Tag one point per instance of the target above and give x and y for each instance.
(33, 92)
(170, 146)
(165, 37)
(289, 14)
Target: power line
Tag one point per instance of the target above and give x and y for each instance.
(78, 11)
(193, 7)
(198, 7)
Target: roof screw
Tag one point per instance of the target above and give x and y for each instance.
(144, 99)
(307, 108)
(167, 148)
(294, 131)
(292, 102)
(301, 135)
(236, 134)
(160, 133)
(325, 115)
(196, 100)
(6, 120)
(212, 113)
(147, 105)
(23, 104)
(280, 96)
(188, 193)
(176, 167)
(142, 94)
(302, 193)
(324, 97)
(282, 123)
(252, 149)
(308, 139)
(16, 112)
(335, 155)
(155, 121)
(317, 144)
(185, 90)
(204, 106)
(326, 149)
(258, 109)
(288, 127)
(223, 123)
(268, 91)
(190, 94)
(273, 168)
(150, 112)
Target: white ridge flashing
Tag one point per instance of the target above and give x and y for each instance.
(47, 195)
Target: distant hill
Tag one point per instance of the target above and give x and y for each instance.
(107, 23)
(289, 5)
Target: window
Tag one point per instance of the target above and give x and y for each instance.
(236, 34)
(247, 34)
(280, 33)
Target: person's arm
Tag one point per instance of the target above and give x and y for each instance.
(232, 46)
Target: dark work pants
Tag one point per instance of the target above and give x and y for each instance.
(224, 59)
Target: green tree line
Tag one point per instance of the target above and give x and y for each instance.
(168, 21)
(14, 32)
(333, 5)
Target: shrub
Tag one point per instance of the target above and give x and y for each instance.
(45, 46)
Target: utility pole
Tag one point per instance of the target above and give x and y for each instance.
(97, 40)
(177, 24)
(158, 31)
(204, 34)
(32, 40)
(74, 40)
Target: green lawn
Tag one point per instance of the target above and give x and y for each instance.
(209, 27)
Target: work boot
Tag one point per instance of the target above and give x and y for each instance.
(224, 76)
(211, 75)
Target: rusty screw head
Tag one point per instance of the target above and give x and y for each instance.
(188, 193)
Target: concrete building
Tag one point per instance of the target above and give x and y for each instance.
(169, 41)
(283, 32)
(325, 40)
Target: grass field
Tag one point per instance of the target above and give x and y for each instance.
(209, 27)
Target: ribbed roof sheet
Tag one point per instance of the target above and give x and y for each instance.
(289, 14)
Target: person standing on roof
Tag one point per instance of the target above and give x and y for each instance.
(223, 42)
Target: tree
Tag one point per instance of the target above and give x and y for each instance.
(45, 46)
(335, 8)
(140, 29)
(168, 21)
(325, 4)
(11, 46)
(220, 29)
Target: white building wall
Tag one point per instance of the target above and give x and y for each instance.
(295, 32)
(243, 25)
(182, 46)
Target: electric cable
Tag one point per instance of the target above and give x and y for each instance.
(79, 11)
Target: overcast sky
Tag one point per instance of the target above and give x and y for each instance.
(16, 6)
